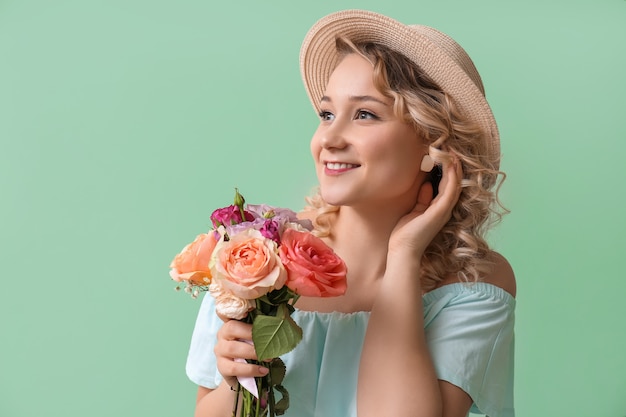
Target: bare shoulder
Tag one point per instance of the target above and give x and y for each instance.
(501, 274)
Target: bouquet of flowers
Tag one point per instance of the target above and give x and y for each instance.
(256, 262)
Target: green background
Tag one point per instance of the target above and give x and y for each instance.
(123, 124)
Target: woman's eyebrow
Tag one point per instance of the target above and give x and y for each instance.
(357, 99)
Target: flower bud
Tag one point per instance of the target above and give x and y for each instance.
(239, 200)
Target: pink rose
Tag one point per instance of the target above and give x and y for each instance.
(230, 215)
(248, 265)
(192, 263)
(313, 269)
(228, 304)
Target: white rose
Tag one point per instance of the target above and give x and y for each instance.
(229, 305)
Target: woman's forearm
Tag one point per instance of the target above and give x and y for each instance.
(396, 375)
(215, 403)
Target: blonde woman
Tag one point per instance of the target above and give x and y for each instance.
(407, 157)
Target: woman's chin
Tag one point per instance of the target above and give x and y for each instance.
(333, 198)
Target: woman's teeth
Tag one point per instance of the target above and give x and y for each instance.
(338, 165)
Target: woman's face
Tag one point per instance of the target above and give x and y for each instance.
(364, 154)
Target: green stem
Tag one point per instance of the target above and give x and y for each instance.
(248, 403)
(258, 400)
(271, 404)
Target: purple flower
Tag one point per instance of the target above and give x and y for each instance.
(243, 226)
(279, 215)
(270, 230)
(268, 212)
(228, 216)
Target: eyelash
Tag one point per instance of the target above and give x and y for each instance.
(324, 114)
(369, 114)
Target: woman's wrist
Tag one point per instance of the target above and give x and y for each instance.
(405, 257)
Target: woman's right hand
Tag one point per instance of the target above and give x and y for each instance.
(234, 342)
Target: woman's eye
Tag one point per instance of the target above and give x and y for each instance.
(364, 115)
(326, 115)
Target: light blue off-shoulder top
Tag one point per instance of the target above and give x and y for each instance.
(469, 328)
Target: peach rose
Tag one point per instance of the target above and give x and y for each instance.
(192, 263)
(229, 305)
(248, 265)
(313, 269)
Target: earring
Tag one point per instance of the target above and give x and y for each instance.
(427, 163)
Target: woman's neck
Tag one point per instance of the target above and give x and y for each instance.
(361, 237)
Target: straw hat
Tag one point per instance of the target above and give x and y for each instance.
(435, 53)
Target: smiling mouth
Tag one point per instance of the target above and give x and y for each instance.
(340, 166)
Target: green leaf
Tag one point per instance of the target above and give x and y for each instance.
(281, 406)
(277, 371)
(277, 297)
(275, 335)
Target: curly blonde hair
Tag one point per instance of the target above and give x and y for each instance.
(460, 247)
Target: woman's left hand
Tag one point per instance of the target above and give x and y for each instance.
(417, 229)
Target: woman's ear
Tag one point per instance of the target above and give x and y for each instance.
(427, 164)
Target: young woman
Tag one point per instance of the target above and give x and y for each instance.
(407, 157)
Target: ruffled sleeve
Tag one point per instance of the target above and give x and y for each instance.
(201, 364)
(469, 328)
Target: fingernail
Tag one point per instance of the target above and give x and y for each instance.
(263, 370)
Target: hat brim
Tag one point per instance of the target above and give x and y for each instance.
(433, 51)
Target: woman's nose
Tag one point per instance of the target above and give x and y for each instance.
(333, 137)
